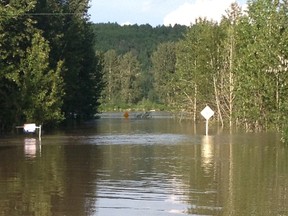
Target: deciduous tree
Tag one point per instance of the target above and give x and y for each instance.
(163, 69)
(41, 88)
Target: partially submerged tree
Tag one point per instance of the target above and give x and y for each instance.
(196, 66)
(41, 88)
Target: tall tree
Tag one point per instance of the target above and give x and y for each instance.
(196, 66)
(16, 31)
(130, 76)
(41, 88)
(110, 93)
(30, 89)
(163, 68)
(228, 55)
(262, 32)
(122, 77)
(66, 26)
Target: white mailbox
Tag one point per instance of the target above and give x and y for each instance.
(29, 128)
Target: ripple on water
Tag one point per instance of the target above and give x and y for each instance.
(144, 139)
(139, 197)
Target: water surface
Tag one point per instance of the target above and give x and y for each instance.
(143, 167)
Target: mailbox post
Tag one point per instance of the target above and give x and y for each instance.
(31, 128)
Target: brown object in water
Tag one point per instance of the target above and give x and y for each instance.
(126, 115)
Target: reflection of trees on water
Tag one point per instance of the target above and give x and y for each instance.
(221, 175)
(217, 175)
(81, 177)
(47, 184)
(188, 176)
(26, 187)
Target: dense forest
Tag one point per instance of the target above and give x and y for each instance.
(141, 40)
(48, 68)
(127, 59)
(55, 65)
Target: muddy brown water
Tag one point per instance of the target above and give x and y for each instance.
(157, 166)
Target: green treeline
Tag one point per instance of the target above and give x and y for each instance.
(55, 64)
(48, 67)
(127, 52)
(141, 40)
(237, 66)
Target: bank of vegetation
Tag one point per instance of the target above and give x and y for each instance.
(55, 64)
(127, 53)
(237, 66)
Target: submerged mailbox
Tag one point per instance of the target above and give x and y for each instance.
(29, 128)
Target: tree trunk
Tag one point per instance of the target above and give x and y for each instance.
(195, 104)
(231, 80)
(218, 102)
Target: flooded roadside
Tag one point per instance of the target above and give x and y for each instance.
(143, 167)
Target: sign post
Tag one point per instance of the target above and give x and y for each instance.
(207, 113)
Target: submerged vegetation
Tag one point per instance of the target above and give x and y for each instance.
(237, 66)
(55, 65)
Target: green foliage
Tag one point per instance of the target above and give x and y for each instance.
(110, 77)
(16, 32)
(71, 39)
(196, 66)
(238, 67)
(263, 62)
(146, 104)
(48, 66)
(41, 88)
(163, 70)
(129, 74)
(141, 40)
(122, 76)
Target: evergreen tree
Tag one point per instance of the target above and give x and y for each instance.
(70, 34)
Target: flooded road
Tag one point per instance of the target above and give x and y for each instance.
(143, 167)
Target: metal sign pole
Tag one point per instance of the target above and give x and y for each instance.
(39, 132)
(207, 113)
(207, 120)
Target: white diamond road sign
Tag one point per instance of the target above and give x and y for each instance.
(207, 112)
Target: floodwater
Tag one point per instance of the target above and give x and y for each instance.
(128, 167)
